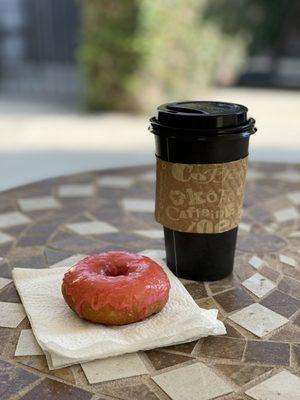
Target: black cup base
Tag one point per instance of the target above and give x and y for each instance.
(200, 257)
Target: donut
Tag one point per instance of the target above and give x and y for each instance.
(116, 288)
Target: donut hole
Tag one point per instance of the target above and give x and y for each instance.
(117, 270)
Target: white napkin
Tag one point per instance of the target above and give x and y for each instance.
(67, 339)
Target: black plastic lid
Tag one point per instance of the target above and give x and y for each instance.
(201, 117)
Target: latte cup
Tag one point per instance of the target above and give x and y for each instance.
(202, 154)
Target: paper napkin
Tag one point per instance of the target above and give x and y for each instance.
(66, 339)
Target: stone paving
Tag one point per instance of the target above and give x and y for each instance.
(58, 221)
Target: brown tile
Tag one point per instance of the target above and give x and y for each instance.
(49, 390)
(79, 244)
(4, 338)
(196, 290)
(287, 334)
(290, 286)
(257, 242)
(54, 256)
(13, 379)
(281, 303)
(234, 299)
(222, 347)
(297, 320)
(207, 303)
(269, 273)
(291, 271)
(10, 294)
(223, 284)
(39, 363)
(296, 351)
(242, 374)
(27, 257)
(137, 392)
(186, 348)
(5, 270)
(268, 353)
(243, 270)
(231, 331)
(162, 360)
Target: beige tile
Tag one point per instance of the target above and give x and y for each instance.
(193, 382)
(92, 228)
(138, 205)
(259, 285)
(27, 344)
(244, 227)
(4, 238)
(255, 262)
(83, 190)
(286, 214)
(295, 234)
(11, 314)
(254, 175)
(114, 368)
(68, 262)
(4, 282)
(116, 182)
(151, 233)
(38, 203)
(282, 386)
(258, 319)
(148, 176)
(287, 260)
(294, 197)
(13, 218)
(288, 176)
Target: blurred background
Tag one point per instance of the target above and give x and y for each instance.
(80, 78)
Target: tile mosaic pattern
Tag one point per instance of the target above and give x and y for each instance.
(258, 358)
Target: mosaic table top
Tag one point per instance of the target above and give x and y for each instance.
(58, 221)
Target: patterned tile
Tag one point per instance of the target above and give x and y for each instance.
(151, 233)
(185, 348)
(268, 353)
(4, 238)
(286, 214)
(222, 347)
(27, 344)
(69, 262)
(148, 176)
(193, 382)
(137, 392)
(49, 389)
(288, 334)
(258, 285)
(162, 360)
(288, 176)
(138, 205)
(116, 182)
(281, 303)
(256, 262)
(234, 299)
(282, 386)
(13, 379)
(258, 319)
(13, 218)
(297, 354)
(11, 314)
(91, 228)
(38, 203)
(114, 368)
(244, 227)
(78, 190)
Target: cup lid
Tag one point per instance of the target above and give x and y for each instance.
(212, 116)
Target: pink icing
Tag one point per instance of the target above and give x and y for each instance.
(119, 279)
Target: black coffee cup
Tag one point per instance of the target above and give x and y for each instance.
(201, 132)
